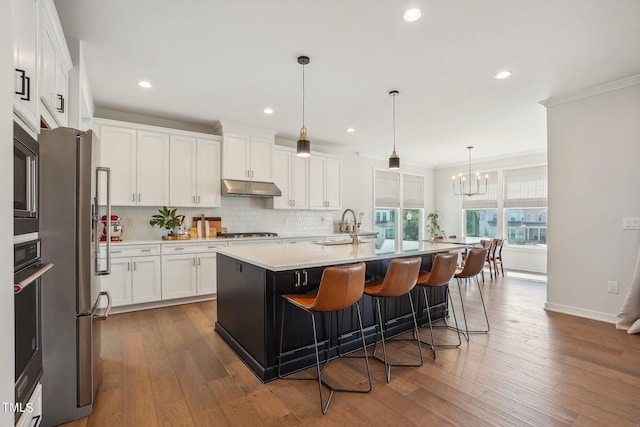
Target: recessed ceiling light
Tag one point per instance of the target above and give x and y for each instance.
(144, 84)
(268, 110)
(502, 75)
(351, 130)
(412, 14)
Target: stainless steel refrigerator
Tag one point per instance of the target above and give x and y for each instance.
(71, 205)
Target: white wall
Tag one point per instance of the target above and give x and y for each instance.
(6, 215)
(594, 181)
(449, 207)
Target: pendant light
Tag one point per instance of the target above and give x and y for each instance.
(464, 183)
(303, 145)
(394, 160)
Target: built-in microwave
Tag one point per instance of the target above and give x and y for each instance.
(25, 181)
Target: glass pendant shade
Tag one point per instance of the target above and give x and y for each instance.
(394, 161)
(304, 145)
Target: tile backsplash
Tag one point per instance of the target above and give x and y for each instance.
(239, 214)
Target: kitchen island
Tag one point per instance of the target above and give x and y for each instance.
(252, 278)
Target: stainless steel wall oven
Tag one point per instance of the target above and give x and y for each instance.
(28, 325)
(25, 181)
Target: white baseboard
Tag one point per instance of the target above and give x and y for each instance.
(580, 312)
(159, 304)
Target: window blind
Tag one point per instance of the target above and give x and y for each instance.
(412, 191)
(525, 187)
(483, 201)
(387, 189)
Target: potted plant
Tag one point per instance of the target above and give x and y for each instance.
(168, 219)
(433, 227)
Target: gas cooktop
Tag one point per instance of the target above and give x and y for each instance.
(250, 234)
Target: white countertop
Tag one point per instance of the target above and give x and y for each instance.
(278, 257)
(219, 239)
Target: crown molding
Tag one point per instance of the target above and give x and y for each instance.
(591, 91)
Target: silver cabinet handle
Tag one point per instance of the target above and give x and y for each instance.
(139, 196)
(198, 261)
(193, 262)
(198, 199)
(145, 250)
(193, 198)
(128, 266)
(297, 279)
(116, 252)
(134, 266)
(133, 197)
(305, 278)
(178, 249)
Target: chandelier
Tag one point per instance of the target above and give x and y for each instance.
(464, 182)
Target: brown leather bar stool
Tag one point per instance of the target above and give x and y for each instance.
(490, 245)
(399, 280)
(442, 271)
(340, 288)
(473, 266)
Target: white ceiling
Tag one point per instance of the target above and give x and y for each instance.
(227, 60)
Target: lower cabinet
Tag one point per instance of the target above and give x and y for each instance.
(191, 273)
(135, 276)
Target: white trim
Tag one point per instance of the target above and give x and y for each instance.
(591, 91)
(99, 121)
(580, 312)
(164, 303)
(228, 127)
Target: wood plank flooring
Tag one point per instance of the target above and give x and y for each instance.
(166, 367)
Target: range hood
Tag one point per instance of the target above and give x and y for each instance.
(232, 187)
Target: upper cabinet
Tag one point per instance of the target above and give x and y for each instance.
(291, 175)
(53, 67)
(194, 172)
(246, 157)
(139, 162)
(155, 166)
(325, 178)
(25, 42)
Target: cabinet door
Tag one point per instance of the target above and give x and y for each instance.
(182, 179)
(333, 179)
(235, 156)
(261, 155)
(299, 182)
(146, 280)
(207, 271)
(282, 178)
(152, 173)
(208, 173)
(118, 147)
(118, 283)
(316, 182)
(62, 93)
(178, 276)
(24, 58)
(47, 75)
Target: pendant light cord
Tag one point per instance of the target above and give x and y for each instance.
(394, 122)
(303, 127)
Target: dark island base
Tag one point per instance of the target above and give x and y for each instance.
(250, 311)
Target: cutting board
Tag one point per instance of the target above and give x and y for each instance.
(215, 225)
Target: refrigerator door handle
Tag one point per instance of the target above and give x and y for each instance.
(107, 270)
(107, 311)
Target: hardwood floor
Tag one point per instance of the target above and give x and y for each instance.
(166, 367)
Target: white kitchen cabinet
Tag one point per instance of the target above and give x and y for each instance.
(54, 65)
(139, 162)
(25, 43)
(291, 177)
(325, 182)
(135, 275)
(189, 269)
(194, 172)
(247, 157)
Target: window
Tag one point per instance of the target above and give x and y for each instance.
(525, 202)
(481, 222)
(399, 209)
(526, 226)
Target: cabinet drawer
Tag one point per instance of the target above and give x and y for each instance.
(191, 248)
(119, 251)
